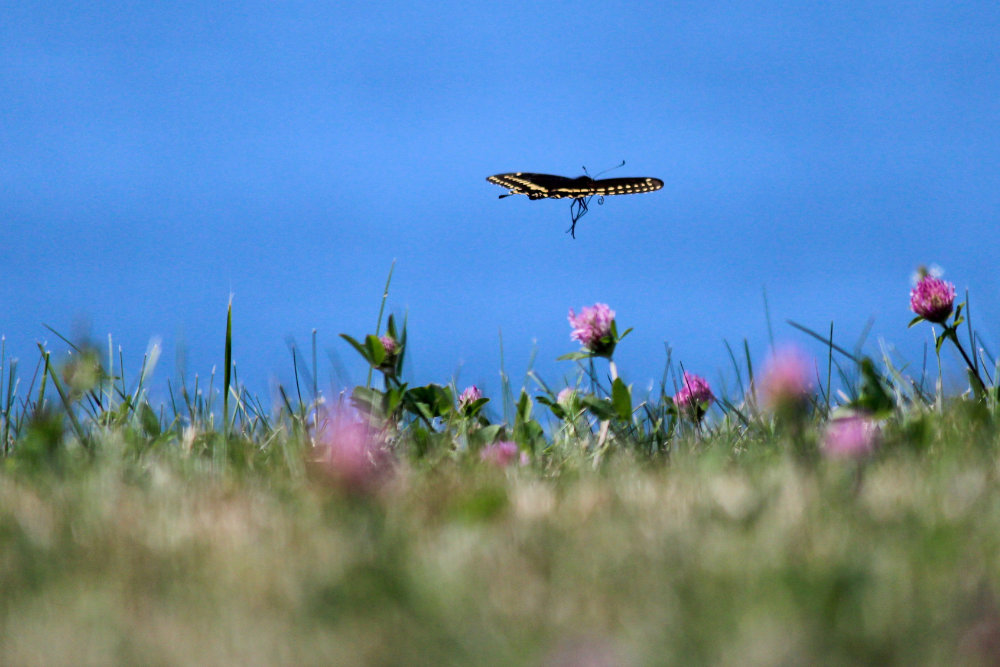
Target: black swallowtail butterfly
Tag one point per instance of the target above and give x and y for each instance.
(580, 190)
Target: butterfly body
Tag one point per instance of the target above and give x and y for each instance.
(580, 189)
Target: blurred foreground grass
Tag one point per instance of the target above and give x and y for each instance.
(715, 556)
(803, 521)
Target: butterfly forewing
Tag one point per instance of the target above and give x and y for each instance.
(535, 186)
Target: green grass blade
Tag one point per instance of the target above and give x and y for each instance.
(736, 367)
(381, 310)
(505, 390)
(226, 375)
(826, 341)
(77, 427)
(315, 380)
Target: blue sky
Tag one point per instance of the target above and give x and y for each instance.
(156, 157)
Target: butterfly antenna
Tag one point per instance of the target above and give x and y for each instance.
(617, 166)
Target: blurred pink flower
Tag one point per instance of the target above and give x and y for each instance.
(850, 437)
(566, 396)
(787, 380)
(468, 397)
(591, 325)
(503, 453)
(695, 396)
(932, 298)
(352, 459)
(390, 344)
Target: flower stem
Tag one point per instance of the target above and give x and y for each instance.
(968, 362)
(602, 436)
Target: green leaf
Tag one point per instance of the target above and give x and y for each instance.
(421, 440)
(443, 399)
(523, 408)
(362, 350)
(873, 396)
(433, 399)
(393, 398)
(472, 409)
(527, 432)
(977, 386)
(599, 407)
(621, 399)
(484, 436)
(365, 399)
(622, 337)
(554, 406)
(422, 409)
(533, 435)
(573, 356)
(150, 422)
(914, 321)
(401, 339)
(376, 351)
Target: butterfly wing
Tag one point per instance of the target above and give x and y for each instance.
(536, 186)
(584, 186)
(625, 186)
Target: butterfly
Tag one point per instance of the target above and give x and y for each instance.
(580, 189)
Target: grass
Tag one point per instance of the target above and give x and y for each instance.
(638, 532)
(163, 559)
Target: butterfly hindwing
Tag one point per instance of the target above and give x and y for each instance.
(625, 186)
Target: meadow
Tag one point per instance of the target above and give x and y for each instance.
(833, 510)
